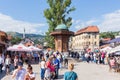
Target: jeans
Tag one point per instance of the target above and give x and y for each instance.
(42, 73)
(1, 67)
(103, 60)
(83, 58)
(56, 72)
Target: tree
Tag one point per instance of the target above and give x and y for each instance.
(55, 15)
(36, 41)
(16, 40)
(107, 35)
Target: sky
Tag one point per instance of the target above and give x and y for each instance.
(15, 15)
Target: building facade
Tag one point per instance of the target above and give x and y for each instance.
(3, 41)
(86, 38)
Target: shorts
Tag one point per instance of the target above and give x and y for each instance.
(7, 66)
(113, 67)
(47, 73)
(16, 67)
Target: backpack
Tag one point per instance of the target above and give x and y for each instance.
(70, 76)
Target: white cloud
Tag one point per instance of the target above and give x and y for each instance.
(77, 26)
(91, 22)
(107, 22)
(77, 21)
(81, 24)
(7, 23)
(111, 22)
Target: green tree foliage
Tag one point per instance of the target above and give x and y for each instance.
(107, 35)
(55, 15)
(16, 40)
(36, 41)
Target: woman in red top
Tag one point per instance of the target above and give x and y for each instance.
(50, 70)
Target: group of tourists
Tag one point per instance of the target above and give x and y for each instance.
(5, 63)
(99, 57)
(49, 68)
(13, 64)
(50, 64)
(22, 74)
(89, 56)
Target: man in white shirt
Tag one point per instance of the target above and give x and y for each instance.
(19, 73)
(1, 62)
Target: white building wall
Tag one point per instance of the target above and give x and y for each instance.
(85, 40)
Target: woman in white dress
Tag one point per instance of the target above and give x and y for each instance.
(42, 67)
(7, 64)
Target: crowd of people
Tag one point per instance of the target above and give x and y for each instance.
(96, 56)
(22, 74)
(51, 62)
(99, 57)
(49, 66)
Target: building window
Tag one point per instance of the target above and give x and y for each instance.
(95, 36)
(95, 43)
(89, 43)
(89, 36)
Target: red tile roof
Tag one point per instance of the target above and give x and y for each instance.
(3, 33)
(106, 39)
(88, 29)
(103, 46)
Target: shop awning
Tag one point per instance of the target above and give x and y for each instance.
(114, 40)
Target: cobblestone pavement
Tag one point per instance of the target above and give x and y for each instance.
(84, 70)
